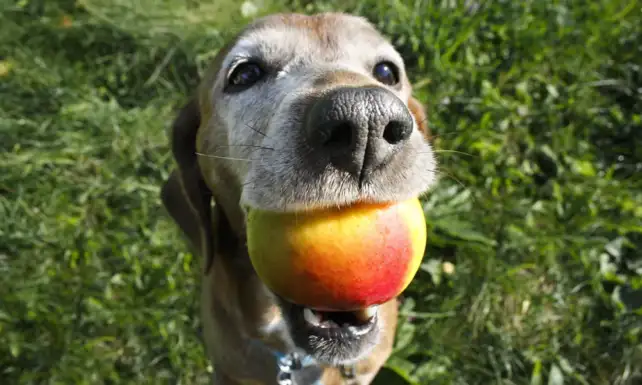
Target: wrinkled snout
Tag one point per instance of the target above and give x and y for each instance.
(358, 129)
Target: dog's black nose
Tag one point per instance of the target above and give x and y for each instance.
(359, 128)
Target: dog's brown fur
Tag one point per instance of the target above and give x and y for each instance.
(237, 308)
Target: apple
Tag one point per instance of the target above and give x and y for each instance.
(338, 259)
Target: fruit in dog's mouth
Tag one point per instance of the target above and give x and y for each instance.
(338, 259)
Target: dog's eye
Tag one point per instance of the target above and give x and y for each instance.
(387, 73)
(244, 75)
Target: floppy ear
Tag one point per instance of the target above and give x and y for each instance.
(419, 112)
(185, 195)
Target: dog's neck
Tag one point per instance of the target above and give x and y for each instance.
(249, 305)
(247, 298)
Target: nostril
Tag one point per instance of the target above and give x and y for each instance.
(396, 132)
(339, 135)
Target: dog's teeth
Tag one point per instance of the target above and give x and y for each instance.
(371, 311)
(311, 317)
(367, 313)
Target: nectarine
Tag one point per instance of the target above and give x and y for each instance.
(338, 259)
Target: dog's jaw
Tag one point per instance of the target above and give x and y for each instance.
(323, 346)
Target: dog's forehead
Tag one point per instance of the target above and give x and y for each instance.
(322, 37)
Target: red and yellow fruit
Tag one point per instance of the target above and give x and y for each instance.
(338, 259)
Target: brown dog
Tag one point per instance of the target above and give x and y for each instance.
(297, 112)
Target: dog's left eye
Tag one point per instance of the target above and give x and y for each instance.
(244, 75)
(387, 73)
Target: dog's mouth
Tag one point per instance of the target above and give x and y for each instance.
(340, 324)
(333, 337)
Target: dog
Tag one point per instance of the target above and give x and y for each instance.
(297, 112)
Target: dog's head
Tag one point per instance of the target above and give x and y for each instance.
(302, 112)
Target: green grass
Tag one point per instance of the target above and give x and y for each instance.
(537, 111)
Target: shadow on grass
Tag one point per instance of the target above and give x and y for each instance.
(118, 64)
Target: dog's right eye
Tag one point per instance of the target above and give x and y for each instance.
(244, 75)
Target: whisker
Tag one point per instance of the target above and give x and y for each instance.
(462, 185)
(255, 130)
(441, 171)
(444, 135)
(244, 145)
(455, 151)
(223, 157)
(252, 181)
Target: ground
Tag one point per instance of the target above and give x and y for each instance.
(534, 266)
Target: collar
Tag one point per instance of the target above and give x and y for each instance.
(290, 363)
